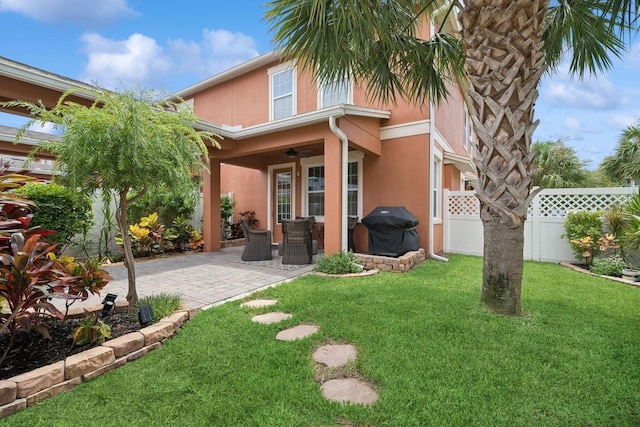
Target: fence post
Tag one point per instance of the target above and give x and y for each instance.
(446, 223)
(536, 241)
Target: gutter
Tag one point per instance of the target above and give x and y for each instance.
(345, 164)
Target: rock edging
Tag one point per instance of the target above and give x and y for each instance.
(363, 273)
(585, 271)
(30, 388)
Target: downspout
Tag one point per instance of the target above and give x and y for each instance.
(345, 165)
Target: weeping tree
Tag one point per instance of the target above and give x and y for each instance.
(123, 144)
(624, 164)
(503, 49)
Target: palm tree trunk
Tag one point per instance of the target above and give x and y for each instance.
(129, 260)
(503, 44)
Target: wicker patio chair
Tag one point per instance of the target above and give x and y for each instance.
(297, 246)
(257, 244)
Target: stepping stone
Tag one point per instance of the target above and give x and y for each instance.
(269, 318)
(335, 355)
(259, 303)
(297, 332)
(349, 390)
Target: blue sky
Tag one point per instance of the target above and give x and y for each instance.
(170, 45)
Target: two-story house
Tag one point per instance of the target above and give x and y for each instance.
(293, 147)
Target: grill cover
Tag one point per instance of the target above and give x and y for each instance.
(391, 231)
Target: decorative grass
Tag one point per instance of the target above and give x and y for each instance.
(436, 356)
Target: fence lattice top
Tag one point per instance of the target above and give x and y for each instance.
(549, 203)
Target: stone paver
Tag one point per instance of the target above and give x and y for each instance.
(297, 332)
(335, 355)
(259, 303)
(269, 318)
(349, 390)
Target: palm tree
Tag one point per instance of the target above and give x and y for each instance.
(624, 164)
(500, 54)
(557, 166)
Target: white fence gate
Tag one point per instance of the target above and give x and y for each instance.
(547, 213)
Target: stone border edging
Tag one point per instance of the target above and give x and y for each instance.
(363, 273)
(612, 278)
(25, 390)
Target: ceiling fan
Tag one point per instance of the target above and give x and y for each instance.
(292, 153)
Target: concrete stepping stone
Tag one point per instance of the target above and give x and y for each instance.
(297, 332)
(335, 355)
(349, 390)
(269, 318)
(259, 303)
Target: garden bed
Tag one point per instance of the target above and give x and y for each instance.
(583, 269)
(61, 370)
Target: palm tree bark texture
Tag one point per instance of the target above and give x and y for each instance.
(505, 58)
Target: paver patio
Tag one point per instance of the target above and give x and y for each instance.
(202, 279)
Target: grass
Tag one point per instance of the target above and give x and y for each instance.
(436, 357)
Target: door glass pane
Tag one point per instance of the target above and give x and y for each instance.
(283, 196)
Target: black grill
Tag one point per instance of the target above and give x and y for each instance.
(391, 231)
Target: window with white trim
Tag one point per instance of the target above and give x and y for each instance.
(314, 188)
(334, 93)
(282, 85)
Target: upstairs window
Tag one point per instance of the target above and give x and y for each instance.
(334, 93)
(282, 91)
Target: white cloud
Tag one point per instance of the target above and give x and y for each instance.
(140, 60)
(623, 120)
(117, 64)
(591, 93)
(573, 124)
(69, 11)
(217, 51)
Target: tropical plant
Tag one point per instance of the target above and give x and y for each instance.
(180, 233)
(556, 165)
(624, 164)
(90, 330)
(584, 230)
(123, 143)
(504, 48)
(58, 208)
(81, 278)
(147, 236)
(27, 279)
(339, 263)
(168, 201)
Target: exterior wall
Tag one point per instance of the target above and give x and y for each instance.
(451, 178)
(399, 177)
(248, 188)
(449, 117)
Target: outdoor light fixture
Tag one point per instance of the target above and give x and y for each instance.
(108, 303)
(145, 315)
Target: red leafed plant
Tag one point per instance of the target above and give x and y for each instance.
(27, 280)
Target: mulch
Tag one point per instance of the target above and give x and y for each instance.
(31, 350)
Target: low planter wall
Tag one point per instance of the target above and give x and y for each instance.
(232, 243)
(406, 262)
(30, 388)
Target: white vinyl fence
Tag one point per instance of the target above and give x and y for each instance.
(547, 213)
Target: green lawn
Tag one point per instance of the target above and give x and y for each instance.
(436, 357)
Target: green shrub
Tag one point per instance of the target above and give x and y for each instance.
(167, 202)
(584, 229)
(610, 266)
(339, 263)
(162, 304)
(63, 210)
